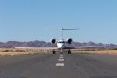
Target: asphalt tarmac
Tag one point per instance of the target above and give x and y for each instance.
(57, 66)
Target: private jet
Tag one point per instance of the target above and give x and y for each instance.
(62, 45)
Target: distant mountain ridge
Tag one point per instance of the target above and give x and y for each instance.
(37, 43)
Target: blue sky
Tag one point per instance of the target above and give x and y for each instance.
(26, 20)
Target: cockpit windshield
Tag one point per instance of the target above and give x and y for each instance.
(60, 41)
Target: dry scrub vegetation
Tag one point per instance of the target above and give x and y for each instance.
(25, 51)
(30, 51)
(112, 52)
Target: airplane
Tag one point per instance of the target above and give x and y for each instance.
(62, 44)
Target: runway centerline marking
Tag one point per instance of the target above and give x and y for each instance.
(59, 64)
(60, 59)
(61, 55)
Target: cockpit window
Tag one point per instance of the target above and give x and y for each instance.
(61, 42)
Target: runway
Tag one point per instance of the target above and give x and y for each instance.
(57, 66)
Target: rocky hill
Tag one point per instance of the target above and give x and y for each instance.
(37, 43)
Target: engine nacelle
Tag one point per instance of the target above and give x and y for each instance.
(69, 41)
(53, 41)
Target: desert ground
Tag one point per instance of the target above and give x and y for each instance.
(28, 51)
(36, 63)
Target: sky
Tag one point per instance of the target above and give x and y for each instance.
(27, 20)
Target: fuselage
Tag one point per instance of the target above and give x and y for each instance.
(61, 44)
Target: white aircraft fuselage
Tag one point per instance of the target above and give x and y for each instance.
(60, 44)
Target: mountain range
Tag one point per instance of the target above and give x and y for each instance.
(37, 43)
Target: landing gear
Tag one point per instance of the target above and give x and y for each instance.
(53, 52)
(69, 51)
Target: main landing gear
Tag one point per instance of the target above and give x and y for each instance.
(53, 52)
(69, 51)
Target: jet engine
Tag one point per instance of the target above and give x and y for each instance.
(69, 41)
(53, 41)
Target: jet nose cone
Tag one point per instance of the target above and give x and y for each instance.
(60, 45)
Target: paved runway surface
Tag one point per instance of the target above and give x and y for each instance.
(56, 66)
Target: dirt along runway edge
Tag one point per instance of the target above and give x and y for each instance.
(48, 50)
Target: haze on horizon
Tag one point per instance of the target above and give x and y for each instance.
(27, 20)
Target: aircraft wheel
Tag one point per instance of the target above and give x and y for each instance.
(54, 52)
(69, 51)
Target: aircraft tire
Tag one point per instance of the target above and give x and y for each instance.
(69, 51)
(53, 52)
